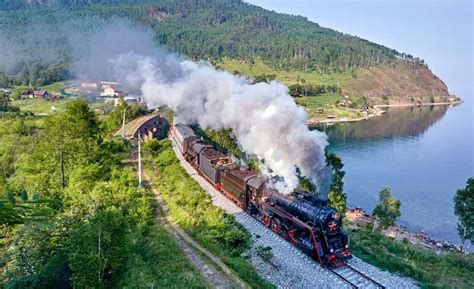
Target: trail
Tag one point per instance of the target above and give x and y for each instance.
(217, 274)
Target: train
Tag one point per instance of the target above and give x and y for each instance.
(301, 218)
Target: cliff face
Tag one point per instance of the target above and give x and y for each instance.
(397, 84)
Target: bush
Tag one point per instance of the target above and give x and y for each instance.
(152, 145)
(265, 253)
(388, 208)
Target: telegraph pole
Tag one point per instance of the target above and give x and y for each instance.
(139, 162)
(123, 122)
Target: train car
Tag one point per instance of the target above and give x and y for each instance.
(192, 149)
(181, 133)
(301, 218)
(212, 163)
(234, 184)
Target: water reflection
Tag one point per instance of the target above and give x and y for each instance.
(396, 122)
(424, 153)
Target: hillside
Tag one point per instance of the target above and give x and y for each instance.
(222, 30)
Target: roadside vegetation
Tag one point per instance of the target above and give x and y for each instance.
(453, 270)
(86, 224)
(193, 210)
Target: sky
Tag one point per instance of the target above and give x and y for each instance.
(438, 31)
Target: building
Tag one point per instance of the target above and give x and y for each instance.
(130, 100)
(89, 85)
(111, 90)
(40, 94)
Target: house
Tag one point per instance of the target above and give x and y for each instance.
(90, 85)
(295, 94)
(111, 90)
(40, 94)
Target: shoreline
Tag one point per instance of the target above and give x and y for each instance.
(379, 112)
(419, 104)
(360, 218)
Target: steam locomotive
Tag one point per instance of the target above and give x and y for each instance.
(302, 218)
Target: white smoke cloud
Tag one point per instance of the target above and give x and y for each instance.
(264, 117)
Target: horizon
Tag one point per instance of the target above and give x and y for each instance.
(418, 33)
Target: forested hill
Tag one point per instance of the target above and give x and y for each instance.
(232, 29)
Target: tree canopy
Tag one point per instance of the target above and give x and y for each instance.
(199, 29)
(464, 209)
(388, 208)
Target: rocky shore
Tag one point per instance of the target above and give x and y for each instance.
(358, 217)
(378, 111)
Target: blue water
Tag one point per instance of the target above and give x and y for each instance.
(423, 153)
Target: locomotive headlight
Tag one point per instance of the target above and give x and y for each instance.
(331, 250)
(347, 246)
(336, 216)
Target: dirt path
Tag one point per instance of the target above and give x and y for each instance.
(217, 274)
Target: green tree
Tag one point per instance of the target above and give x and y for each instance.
(21, 210)
(388, 208)
(69, 139)
(4, 101)
(98, 249)
(464, 209)
(337, 197)
(115, 119)
(17, 91)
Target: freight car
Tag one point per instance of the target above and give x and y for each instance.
(303, 219)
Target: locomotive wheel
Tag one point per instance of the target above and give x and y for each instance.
(276, 226)
(266, 221)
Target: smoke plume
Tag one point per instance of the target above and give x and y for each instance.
(264, 117)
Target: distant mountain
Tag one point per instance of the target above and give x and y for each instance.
(232, 29)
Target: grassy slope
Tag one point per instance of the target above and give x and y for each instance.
(287, 77)
(41, 106)
(328, 103)
(192, 208)
(430, 270)
(312, 104)
(400, 83)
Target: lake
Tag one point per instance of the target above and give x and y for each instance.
(423, 153)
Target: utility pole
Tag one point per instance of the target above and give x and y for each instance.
(123, 122)
(139, 162)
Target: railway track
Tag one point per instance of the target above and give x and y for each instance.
(293, 265)
(355, 278)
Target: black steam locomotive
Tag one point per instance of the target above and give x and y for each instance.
(301, 218)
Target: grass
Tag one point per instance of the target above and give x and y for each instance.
(312, 104)
(41, 106)
(318, 107)
(158, 262)
(54, 87)
(453, 270)
(288, 77)
(193, 210)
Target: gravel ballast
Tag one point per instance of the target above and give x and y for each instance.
(289, 267)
